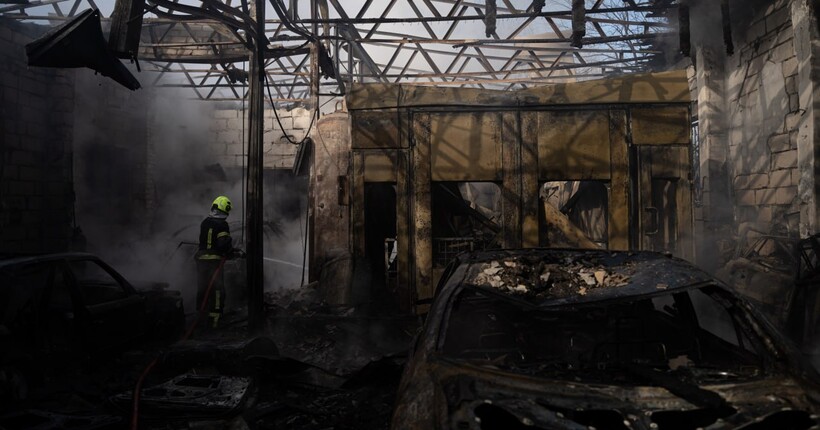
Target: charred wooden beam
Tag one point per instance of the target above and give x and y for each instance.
(579, 29)
(727, 27)
(683, 30)
(490, 16)
(126, 26)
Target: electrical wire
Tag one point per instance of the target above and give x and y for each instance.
(279, 121)
(244, 167)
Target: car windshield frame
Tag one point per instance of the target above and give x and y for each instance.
(746, 323)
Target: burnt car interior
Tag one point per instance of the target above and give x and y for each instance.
(696, 330)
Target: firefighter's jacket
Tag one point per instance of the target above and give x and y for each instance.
(214, 239)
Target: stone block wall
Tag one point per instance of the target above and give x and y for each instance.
(763, 112)
(36, 132)
(228, 130)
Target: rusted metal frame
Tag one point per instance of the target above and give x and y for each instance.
(463, 66)
(517, 48)
(555, 28)
(552, 66)
(514, 14)
(364, 9)
(516, 32)
(56, 7)
(514, 9)
(521, 28)
(191, 81)
(162, 70)
(430, 61)
(297, 67)
(566, 66)
(381, 18)
(455, 59)
(233, 88)
(454, 24)
(432, 8)
(278, 30)
(205, 77)
(189, 44)
(74, 8)
(425, 24)
(482, 83)
(486, 63)
(215, 87)
(447, 35)
(514, 69)
(392, 58)
(404, 69)
(22, 7)
(402, 38)
(228, 99)
(482, 59)
(365, 57)
(282, 67)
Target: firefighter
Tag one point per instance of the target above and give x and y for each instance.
(215, 244)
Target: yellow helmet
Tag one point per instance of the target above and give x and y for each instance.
(222, 203)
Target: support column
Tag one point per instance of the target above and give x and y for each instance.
(511, 183)
(717, 213)
(618, 228)
(255, 270)
(529, 179)
(422, 230)
(807, 45)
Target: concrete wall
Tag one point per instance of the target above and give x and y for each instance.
(228, 130)
(763, 113)
(36, 133)
(755, 109)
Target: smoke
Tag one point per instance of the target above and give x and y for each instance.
(146, 172)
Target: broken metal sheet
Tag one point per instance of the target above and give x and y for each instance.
(33, 419)
(200, 395)
(80, 43)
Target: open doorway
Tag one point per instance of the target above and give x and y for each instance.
(380, 240)
(574, 214)
(466, 216)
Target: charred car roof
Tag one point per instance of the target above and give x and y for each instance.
(17, 261)
(554, 277)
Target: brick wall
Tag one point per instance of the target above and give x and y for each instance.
(36, 151)
(763, 113)
(228, 129)
(111, 162)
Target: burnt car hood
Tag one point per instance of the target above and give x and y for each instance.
(486, 398)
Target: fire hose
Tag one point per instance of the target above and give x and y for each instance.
(155, 361)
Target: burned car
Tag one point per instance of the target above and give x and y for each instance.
(570, 339)
(60, 309)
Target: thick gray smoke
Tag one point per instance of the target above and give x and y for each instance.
(146, 174)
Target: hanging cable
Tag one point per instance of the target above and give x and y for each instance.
(244, 167)
(279, 121)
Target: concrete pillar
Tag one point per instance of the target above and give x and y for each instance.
(717, 214)
(807, 46)
(330, 247)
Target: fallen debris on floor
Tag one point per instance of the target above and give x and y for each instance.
(192, 395)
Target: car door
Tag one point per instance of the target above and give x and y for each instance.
(36, 309)
(113, 314)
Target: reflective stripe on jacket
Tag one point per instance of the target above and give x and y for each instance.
(214, 239)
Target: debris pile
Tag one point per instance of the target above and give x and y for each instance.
(538, 279)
